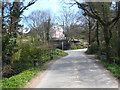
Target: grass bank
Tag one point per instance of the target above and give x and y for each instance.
(19, 80)
(113, 68)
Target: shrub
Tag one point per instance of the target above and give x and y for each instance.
(7, 71)
(16, 56)
(25, 53)
(8, 44)
(102, 49)
(77, 47)
(93, 49)
(20, 79)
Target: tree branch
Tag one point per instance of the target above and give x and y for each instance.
(117, 15)
(92, 14)
(29, 4)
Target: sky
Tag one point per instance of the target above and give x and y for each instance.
(53, 6)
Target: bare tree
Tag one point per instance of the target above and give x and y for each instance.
(68, 18)
(39, 22)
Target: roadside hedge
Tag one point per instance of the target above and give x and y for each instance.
(19, 80)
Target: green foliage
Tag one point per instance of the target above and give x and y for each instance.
(77, 47)
(115, 47)
(100, 51)
(16, 56)
(19, 80)
(58, 53)
(93, 49)
(23, 55)
(8, 44)
(114, 68)
(116, 60)
(25, 52)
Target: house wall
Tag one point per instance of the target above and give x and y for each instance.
(57, 32)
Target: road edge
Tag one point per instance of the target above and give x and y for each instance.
(37, 78)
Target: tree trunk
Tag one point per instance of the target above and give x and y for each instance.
(107, 43)
(2, 14)
(89, 33)
(118, 40)
(89, 37)
(97, 34)
(118, 29)
(48, 30)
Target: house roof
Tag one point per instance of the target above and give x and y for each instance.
(57, 28)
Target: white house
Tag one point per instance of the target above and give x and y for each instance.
(56, 31)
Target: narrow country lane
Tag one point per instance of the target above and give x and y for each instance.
(77, 71)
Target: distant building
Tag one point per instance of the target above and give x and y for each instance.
(56, 32)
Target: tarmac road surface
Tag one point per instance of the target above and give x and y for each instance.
(77, 71)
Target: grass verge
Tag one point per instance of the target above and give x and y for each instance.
(19, 80)
(113, 68)
(77, 47)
